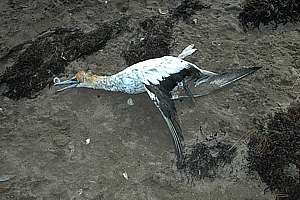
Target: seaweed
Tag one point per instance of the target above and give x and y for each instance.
(201, 160)
(274, 152)
(154, 40)
(187, 8)
(256, 12)
(155, 36)
(38, 61)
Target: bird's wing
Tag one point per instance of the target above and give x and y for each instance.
(166, 106)
(208, 84)
(156, 70)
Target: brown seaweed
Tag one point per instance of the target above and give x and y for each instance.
(257, 12)
(37, 61)
(187, 8)
(201, 160)
(274, 152)
(152, 42)
(155, 35)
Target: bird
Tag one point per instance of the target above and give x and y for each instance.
(162, 79)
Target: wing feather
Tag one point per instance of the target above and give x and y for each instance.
(167, 109)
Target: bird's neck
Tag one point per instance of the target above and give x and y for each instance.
(109, 83)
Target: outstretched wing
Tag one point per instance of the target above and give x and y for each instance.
(166, 106)
(160, 76)
(207, 84)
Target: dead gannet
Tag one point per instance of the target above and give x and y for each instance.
(160, 77)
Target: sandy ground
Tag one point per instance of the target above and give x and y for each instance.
(43, 140)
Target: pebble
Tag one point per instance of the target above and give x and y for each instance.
(163, 12)
(125, 175)
(130, 102)
(87, 141)
(4, 178)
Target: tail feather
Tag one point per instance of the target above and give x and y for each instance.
(189, 50)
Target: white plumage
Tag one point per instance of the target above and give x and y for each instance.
(151, 71)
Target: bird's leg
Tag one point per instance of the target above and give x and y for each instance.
(188, 91)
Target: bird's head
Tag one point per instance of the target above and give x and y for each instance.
(81, 79)
(86, 77)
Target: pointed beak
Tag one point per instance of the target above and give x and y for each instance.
(71, 83)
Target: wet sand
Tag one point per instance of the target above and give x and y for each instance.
(43, 140)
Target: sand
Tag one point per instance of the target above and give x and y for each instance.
(43, 148)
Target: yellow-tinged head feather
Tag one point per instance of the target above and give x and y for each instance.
(86, 77)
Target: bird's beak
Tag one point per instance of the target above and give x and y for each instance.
(71, 83)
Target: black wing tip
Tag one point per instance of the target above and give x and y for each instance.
(251, 70)
(255, 68)
(179, 150)
(179, 160)
(247, 71)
